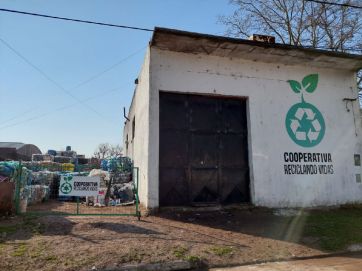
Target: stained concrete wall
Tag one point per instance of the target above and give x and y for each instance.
(269, 98)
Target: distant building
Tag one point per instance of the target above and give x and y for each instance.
(17, 151)
(67, 156)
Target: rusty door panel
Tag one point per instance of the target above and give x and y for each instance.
(174, 148)
(172, 112)
(233, 120)
(204, 186)
(203, 150)
(173, 187)
(233, 151)
(234, 185)
(203, 113)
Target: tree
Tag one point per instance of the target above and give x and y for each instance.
(300, 22)
(105, 150)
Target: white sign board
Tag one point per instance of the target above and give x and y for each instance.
(80, 186)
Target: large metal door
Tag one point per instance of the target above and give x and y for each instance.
(203, 150)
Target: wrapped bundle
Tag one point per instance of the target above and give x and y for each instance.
(67, 167)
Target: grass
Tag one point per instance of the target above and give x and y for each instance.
(180, 252)
(2, 246)
(335, 229)
(8, 229)
(37, 251)
(221, 251)
(132, 256)
(51, 258)
(20, 250)
(193, 259)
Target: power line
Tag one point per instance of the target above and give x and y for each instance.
(18, 115)
(74, 20)
(91, 78)
(332, 49)
(335, 4)
(48, 77)
(95, 76)
(59, 109)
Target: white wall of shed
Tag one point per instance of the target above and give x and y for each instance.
(269, 99)
(138, 147)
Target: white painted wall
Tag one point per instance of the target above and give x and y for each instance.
(138, 147)
(269, 99)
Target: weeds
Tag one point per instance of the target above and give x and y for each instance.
(20, 250)
(180, 252)
(222, 251)
(193, 259)
(8, 229)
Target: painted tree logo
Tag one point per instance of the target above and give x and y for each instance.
(304, 122)
(66, 187)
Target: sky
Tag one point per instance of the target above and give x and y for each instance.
(76, 78)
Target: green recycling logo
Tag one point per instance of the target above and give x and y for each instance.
(66, 187)
(304, 122)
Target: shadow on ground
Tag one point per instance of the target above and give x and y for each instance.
(327, 230)
(25, 227)
(123, 228)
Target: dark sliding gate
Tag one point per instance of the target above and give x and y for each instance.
(203, 150)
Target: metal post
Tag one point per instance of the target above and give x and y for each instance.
(137, 207)
(77, 205)
(17, 190)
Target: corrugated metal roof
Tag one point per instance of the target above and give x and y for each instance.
(16, 145)
(196, 43)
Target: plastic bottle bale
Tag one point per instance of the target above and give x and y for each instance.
(104, 165)
(62, 159)
(52, 152)
(104, 176)
(23, 205)
(37, 157)
(124, 192)
(9, 169)
(68, 167)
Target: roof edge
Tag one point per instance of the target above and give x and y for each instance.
(215, 38)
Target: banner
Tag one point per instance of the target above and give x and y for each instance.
(80, 186)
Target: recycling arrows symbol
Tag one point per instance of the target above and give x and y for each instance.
(305, 124)
(295, 124)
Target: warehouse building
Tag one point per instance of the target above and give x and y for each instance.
(217, 120)
(17, 151)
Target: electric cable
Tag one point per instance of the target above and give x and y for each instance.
(48, 77)
(335, 4)
(59, 109)
(74, 20)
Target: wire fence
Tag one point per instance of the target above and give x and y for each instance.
(110, 191)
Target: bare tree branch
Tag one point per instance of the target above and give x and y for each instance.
(299, 22)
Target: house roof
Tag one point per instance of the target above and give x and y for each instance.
(196, 43)
(15, 145)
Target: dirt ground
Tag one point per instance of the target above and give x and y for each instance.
(217, 238)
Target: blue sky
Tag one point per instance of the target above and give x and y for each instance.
(35, 110)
